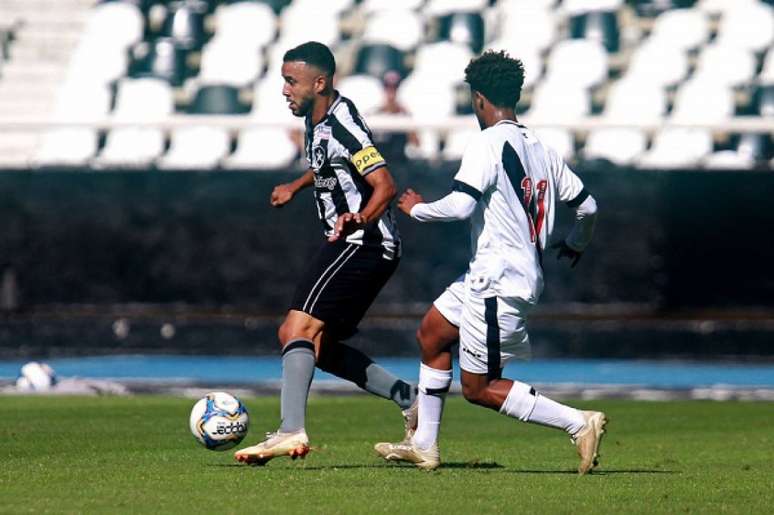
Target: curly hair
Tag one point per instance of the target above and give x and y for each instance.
(497, 76)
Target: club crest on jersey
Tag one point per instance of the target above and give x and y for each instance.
(318, 157)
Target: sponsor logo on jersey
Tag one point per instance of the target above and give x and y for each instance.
(366, 159)
(325, 183)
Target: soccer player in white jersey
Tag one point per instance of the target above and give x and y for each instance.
(508, 184)
(360, 251)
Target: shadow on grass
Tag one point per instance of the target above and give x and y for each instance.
(446, 466)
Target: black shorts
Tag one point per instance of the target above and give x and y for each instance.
(340, 283)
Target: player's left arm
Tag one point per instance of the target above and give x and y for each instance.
(571, 191)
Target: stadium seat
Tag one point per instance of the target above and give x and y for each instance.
(465, 28)
(766, 76)
(681, 29)
(249, 24)
(619, 146)
(561, 140)
(98, 64)
(369, 6)
(336, 7)
(577, 62)
(262, 149)
(658, 63)
(443, 7)
(750, 27)
(66, 147)
(728, 160)
(723, 6)
(162, 59)
(635, 101)
(444, 61)
(677, 148)
(365, 91)
(599, 26)
(196, 147)
(558, 101)
(577, 7)
(700, 102)
(217, 99)
(184, 24)
(426, 98)
(115, 24)
(224, 62)
(526, 25)
(402, 29)
(311, 22)
(376, 60)
(732, 66)
(145, 100)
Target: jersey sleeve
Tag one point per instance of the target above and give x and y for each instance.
(477, 171)
(569, 187)
(349, 129)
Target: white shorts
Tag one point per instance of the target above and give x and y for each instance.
(492, 329)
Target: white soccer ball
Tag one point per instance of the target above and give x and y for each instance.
(36, 377)
(219, 421)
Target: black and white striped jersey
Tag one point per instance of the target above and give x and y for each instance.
(341, 153)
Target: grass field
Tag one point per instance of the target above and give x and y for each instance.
(135, 454)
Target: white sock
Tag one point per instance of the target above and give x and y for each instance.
(520, 401)
(433, 386)
(550, 413)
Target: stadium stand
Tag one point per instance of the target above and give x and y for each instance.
(663, 75)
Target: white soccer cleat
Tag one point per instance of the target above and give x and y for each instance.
(410, 420)
(426, 459)
(588, 439)
(295, 445)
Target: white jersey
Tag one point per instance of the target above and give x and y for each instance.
(516, 181)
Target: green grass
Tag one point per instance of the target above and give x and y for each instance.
(135, 454)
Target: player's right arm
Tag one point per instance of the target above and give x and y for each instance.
(475, 176)
(284, 193)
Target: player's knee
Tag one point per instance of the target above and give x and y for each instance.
(474, 394)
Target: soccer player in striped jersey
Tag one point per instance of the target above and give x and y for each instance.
(508, 184)
(353, 189)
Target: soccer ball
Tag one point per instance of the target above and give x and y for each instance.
(36, 377)
(219, 421)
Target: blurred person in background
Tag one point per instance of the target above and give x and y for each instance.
(353, 189)
(393, 144)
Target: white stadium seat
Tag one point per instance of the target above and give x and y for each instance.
(732, 66)
(263, 149)
(559, 101)
(677, 148)
(723, 6)
(682, 29)
(578, 62)
(728, 160)
(67, 147)
(526, 25)
(313, 22)
(146, 100)
(576, 7)
(635, 101)
(401, 28)
(116, 24)
(702, 102)
(444, 61)
(620, 146)
(196, 147)
(369, 6)
(747, 26)
(442, 7)
(249, 24)
(337, 7)
(426, 98)
(365, 91)
(658, 63)
(561, 140)
(226, 63)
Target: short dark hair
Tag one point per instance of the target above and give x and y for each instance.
(315, 54)
(497, 76)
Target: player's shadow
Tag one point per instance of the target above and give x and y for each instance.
(596, 472)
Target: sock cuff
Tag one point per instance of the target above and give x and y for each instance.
(433, 380)
(299, 344)
(520, 401)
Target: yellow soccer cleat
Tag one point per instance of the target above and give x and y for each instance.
(588, 439)
(295, 445)
(426, 459)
